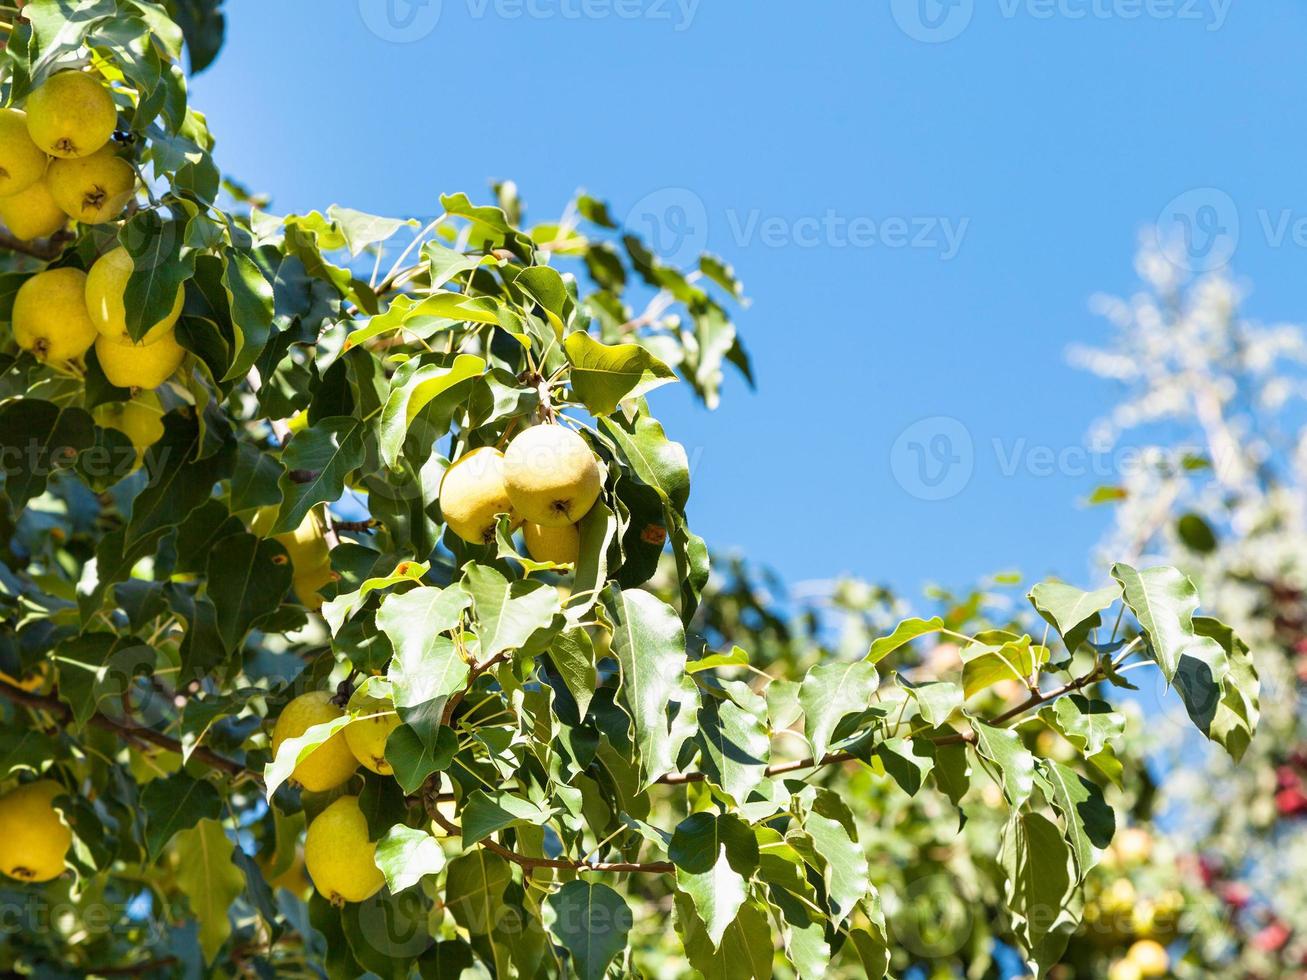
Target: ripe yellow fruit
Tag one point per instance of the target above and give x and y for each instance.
(50, 318)
(367, 736)
(71, 115)
(106, 283)
(1124, 970)
(138, 365)
(331, 763)
(33, 836)
(551, 475)
(472, 495)
(92, 189)
(561, 545)
(32, 212)
(22, 163)
(339, 856)
(140, 420)
(1150, 957)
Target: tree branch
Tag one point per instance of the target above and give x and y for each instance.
(147, 736)
(51, 249)
(531, 863)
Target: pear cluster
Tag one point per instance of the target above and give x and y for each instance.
(337, 850)
(546, 481)
(57, 161)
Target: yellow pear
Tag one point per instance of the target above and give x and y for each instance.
(472, 495)
(560, 545)
(32, 212)
(92, 189)
(331, 763)
(367, 736)
(1150, 957)
(306, 546)
(307, 586)
(33, 837)
(50, 318)
(22, 163)
(71, 115)
(138, 365)
(140, 420)
(552, 476)
(31, 683)
(1124, 970)
(106, 282)
(339, 856)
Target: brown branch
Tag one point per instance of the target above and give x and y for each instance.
(141, 736)
(51, 249)
(133, 969)
(529, 863)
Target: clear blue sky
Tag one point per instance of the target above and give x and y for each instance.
(1043, 138)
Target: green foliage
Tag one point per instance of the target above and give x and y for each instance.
(567, 757)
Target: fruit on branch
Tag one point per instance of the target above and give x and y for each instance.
(50, 318)
(331, 763)
(22, 163)
(140, 420)
(1133, 846)
(339, 856)
(473, 495)
(92, 189)
(306, 546)
(32, 212)
(553, 478)
(367, 736)
(106, 282)
(72, 115)
(560, 545)
(1150, 958)
(138, 365)
(33, 837)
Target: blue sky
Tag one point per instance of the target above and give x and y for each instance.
(921, 197)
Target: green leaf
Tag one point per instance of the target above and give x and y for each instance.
(250, 299)
(474, 890)
(159, 269)
(649, 642)
(904, 633)
(415, 755)
(573, 655)
(484, 814)
(592, 922)
(831, 691)
(1089, 821)
(1072, 612)
(293, 751)
(908, 762)
(715, 855)
(604, 375)
(318, 460)
(745, 951)
(1234, 721)
(987, 664)
(936, 700)
(508, 614)
(737, 657)
(656, 460)
(413, 391)
(174, 804)
(180, 481)
(1038, 888)
(338, 610)
(207, 875)
(1087, 723)
(246, 581)
(428, 666)
(1196, 534)
(406, 856)
(847, 874)
(736, 746)
(1164, 601)
(37, 440)
(1016, 766)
